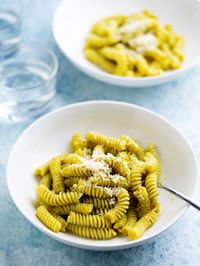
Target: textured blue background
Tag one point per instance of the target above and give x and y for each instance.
(179, 101)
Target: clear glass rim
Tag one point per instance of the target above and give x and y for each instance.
(20, 15)
(52, 74)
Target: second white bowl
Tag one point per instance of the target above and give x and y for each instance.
(73, 20)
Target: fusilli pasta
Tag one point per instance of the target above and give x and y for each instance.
(105, 187)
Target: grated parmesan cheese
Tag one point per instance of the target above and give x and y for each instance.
(96, 166)
(143, 42)
(99, 167)
(86, 153)
(109, 191)
(133, 26)
(112, 201)
(117, 178)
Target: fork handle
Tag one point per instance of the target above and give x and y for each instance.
(192, 202)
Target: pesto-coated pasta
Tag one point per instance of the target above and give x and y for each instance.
(121, 207)
(142, 225)
(92, 232)
(40, 202)
(48, 219)
(151, 163)
(88, 220)
(46, 181)
(121, 223)
(58, 199)
(131, 220)
(136, 176)
(133, 146)
(94, 191)
(99, 60)
(144, 204)
(76, 170)
(73, 159)
(76, 143)
(107, 186)
(108, 142)
(119, 166)
(124, 156)
(155, 205)
(83, 208)
(152, 149)
(42, 170)
(61, 220)
(100, 203)
(134, 46)
(98, 151)
(68, 182)
(151, 185)
(58, 179)
(110, 181)
(99, 211)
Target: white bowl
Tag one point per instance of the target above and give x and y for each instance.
(73, 20)
(51, 134)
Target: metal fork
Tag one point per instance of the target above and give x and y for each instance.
(192, 202)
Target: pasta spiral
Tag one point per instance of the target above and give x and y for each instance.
(142, 225)
(94, 191)
(46, 181)
(134, 147)
(61, 220)
(151, 185)
(120, 167)
(40, 202)
(68, 182)
(82, 208)
(88, 220)
(99, 211)
(98, 150)
(152, 149)
(79, 207)
(121, 223)
(92, 232)
(124, 156)
(100, 203)
(155, 205)
(108, 142)
(76, 170)
(151, 162)
(136, 176)
(133, 160)
(42, 170)
(144, 204)
(73, 159)
(76, 143)
(46, 218)
(57, 199)
(58, 180)
(131, 220)
(120, 208)
(110, 181)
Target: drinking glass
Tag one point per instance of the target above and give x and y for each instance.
(27, 83)
(10, 27)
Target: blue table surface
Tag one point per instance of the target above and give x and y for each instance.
(178, 101)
